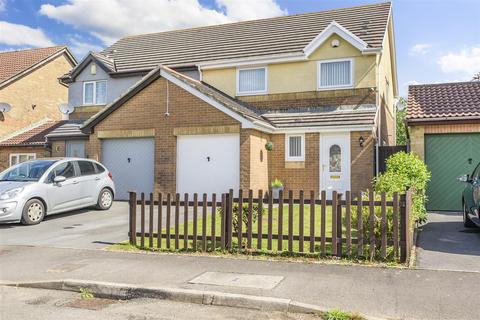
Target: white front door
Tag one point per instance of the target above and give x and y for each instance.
(208, 164)
(335, 162)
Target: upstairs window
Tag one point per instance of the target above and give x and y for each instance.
(251, 81)
(95, 92)
(335, 74)
(295, 147)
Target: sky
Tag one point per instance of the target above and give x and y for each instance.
(436, 40)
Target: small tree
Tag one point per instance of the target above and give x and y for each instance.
(476, 77)
(401, 127)
(406, 171)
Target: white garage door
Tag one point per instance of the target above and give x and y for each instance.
(131, 162)
(208, 163)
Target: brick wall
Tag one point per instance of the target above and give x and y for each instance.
(40, 88)
(58, 148)
(146, 110)
(296, 176)
(254, 160)
(362, 161)
(5, 152)
(312, 99)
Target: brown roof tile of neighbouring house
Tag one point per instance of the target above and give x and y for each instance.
(444, 102)
(34, 136)
(13, 63)
(255, 38)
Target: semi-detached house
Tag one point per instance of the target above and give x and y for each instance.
(304, 98)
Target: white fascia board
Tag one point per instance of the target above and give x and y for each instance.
(252, 61)
(243, 121)
(334, 28)
(325, 129)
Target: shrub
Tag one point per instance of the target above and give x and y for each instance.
(406, 171)
(244, 215)
(277, 183)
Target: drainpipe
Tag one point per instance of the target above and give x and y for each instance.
(379, 124)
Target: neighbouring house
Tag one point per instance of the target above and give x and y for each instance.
(305, 98)
(29, 144)
(444, 130)
(29, 84)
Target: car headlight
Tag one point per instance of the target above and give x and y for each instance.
(10, 194)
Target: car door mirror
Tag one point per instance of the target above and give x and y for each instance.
(59, 179)
(464, 178)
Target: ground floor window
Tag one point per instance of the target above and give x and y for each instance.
(16, 158)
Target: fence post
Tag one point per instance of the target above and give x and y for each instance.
(339, 225)
(132, 218)
(229, 220)
(403, 228)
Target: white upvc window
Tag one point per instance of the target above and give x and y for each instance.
(251, 80)
(333, 74)
(95, 92)
(294, 147)
(16, 158)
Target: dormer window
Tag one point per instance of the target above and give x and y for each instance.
(333, 74)
(251, 81)
(95, 92)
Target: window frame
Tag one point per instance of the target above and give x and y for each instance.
(346, 86)
(247, 93)
(80, 174)
(302, 147)
(21, 154)
(94, 82)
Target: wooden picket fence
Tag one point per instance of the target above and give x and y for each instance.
(366, 226)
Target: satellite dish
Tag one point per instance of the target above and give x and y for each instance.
(65, 108)
(5, 107)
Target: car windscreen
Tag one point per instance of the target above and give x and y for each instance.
(26, 171)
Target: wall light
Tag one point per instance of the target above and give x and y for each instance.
(361, 140)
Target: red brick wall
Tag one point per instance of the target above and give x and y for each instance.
(5, 152)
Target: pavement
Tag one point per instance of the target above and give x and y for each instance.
(48, 304)
(443, 243)
(392, 293)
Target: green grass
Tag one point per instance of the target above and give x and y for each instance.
(253, 249)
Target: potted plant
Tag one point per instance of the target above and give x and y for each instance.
(277, 185)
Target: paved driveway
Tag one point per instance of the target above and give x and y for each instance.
(86, 228)
(445, 244)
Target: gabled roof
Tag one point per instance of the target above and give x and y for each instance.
(444, 102)
(280, 37)
(107, 64)
(34, 136)
(14, 64)
(214, 97)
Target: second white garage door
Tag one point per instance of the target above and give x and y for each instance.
(208, 163)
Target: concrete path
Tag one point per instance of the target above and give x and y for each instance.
(444, 243)
(381, 292)
(47, 304)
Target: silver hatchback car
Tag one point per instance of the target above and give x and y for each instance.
(33, 189)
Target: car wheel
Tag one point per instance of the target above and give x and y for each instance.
(33, 212)
(105, 199)
(467, 223)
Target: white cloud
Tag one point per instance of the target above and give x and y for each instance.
(110, 20)
(20, 35)
(420, 49)
(81, 48)
(466, 61)
(250, 9)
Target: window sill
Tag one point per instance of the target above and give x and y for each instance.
(294, 164)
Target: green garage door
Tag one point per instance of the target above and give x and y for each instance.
(449, 156)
